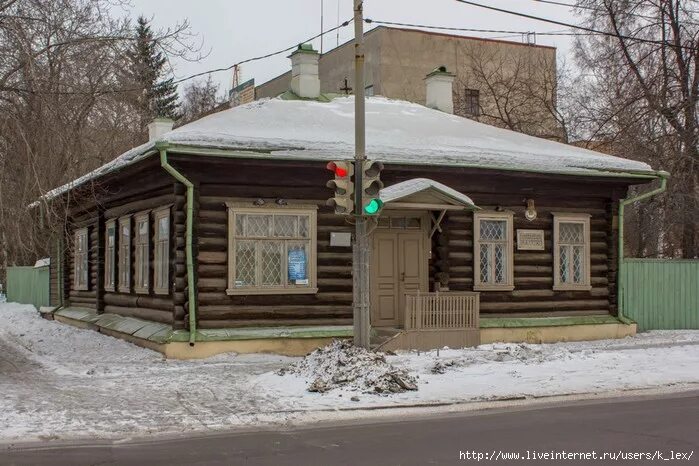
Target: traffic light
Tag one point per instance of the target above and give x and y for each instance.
(343, 200)
(371, 186)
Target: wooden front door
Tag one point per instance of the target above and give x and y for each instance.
(399, 266)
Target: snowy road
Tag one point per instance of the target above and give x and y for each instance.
(60, 382)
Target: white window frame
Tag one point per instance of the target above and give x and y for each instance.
(310, 211)
(110, 255)
(81, 254)
(142, 254)
(509, 283)
(161, 252)
(124, 255)
(579, 218)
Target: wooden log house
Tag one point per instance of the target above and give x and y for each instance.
(521, 231)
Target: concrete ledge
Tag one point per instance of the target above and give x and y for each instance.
(553, 334)
(290, 341)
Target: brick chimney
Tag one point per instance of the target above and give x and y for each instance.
(439, 89)
(158, 127)
(304, 72)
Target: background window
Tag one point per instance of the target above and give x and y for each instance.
(272, 250)
(125, 254)
(161, 257)
(571, 233)
(110, 256)
(81, 267)
(142, 257)
(493, 251)
(472, 104)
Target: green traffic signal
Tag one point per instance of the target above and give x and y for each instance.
(373, 206)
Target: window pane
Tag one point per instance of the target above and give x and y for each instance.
(571, 233)
(271, 263)
(485, 263)
(304, 231)
(164, 227)
(563, 263)
(398, 222)
(125, 232)
(297, 263)
(412, 223)
(493, 230)
(285, 226)
(257, 225)
(239, 220)
(110, 237)
(143, 229)
(500, 263)
(578, 266)
(245, 263)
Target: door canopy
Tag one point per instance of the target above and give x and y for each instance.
(425, 194)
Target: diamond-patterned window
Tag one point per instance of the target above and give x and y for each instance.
(571, 250)
(493, 250)
(272, 250)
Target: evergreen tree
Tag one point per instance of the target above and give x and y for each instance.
(159, 95)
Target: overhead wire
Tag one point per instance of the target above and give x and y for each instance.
(196, 75)
(573, 26)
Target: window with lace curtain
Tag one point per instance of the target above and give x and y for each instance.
(271, 250)
(492, 233)
(571, 251)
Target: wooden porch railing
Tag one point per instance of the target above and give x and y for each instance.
(442, 311)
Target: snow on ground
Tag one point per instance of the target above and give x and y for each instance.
(61, 382)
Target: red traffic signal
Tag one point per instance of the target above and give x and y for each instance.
(340, 169)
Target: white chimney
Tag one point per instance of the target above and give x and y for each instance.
(305, 82)
(158, 127)
(439, 90)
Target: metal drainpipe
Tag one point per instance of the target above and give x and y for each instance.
(622, 203)
(162, 147)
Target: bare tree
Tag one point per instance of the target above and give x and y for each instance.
(517, 90)
(640, 93)
(64, 108)
(199, 98)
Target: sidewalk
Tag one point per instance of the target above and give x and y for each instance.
(61, 382)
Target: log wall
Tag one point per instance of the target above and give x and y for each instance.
(219, 180)
(144, 187)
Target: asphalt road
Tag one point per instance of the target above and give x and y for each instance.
(667, 425)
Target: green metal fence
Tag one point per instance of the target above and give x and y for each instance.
(28, 285)
(661, 294)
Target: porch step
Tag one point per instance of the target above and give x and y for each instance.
(381, 335)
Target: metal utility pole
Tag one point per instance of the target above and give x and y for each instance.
(360, 252)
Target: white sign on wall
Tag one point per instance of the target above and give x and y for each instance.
(530, 240)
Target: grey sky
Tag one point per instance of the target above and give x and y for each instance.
(234, 30)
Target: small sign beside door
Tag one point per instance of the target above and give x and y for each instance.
(530, 240)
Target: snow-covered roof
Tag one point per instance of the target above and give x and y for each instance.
(396, 132)
(408, 188)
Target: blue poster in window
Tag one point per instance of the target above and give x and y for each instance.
(297, 265)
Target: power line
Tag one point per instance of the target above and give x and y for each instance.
(495, 31)
(572, 26)
(196, 75)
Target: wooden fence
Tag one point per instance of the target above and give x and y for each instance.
(28, 285)
(441, 311)
(660, 293)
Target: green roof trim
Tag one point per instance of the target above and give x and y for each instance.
(440, 70)
(305, 48)
(521, 322)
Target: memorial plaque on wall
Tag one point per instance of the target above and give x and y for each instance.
(530, 240)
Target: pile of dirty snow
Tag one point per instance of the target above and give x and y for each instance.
(342, 365)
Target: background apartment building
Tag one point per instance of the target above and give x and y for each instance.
(503, 83)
